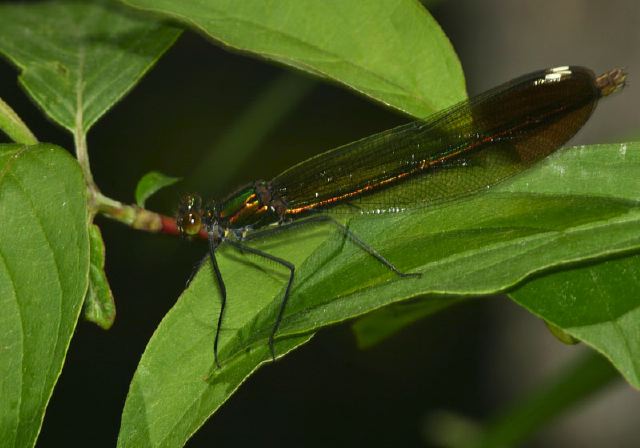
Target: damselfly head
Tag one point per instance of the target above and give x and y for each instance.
(189, 219)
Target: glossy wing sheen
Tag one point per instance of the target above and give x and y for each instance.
(468, 147)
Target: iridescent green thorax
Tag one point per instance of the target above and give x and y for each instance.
(244, 208)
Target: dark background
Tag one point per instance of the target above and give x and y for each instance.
(471, 359)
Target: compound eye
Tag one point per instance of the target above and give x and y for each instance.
(190, 223)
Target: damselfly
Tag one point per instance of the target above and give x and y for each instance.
(466, 148)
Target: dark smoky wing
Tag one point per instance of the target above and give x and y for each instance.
(468, 147)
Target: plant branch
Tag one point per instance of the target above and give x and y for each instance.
(130, 215)
(80, 136)
(137, 217)
(80, 141)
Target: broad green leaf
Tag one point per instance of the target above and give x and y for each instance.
(579, 204)
(150, 183)
(44, 266)
(99, 306)
(367, 46)
(78, 58)
(171, 394)
(597, 304)
(13, 126)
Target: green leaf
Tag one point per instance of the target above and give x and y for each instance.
(44, 266)
(12, 125)
(367, 46)
(99, 306)
(77, 59)
(171, 395)
(150, 183)
(598, 304)
(579, 204)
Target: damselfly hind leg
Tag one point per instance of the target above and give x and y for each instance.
(346, 232)
(243, 248)
(283, 303)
